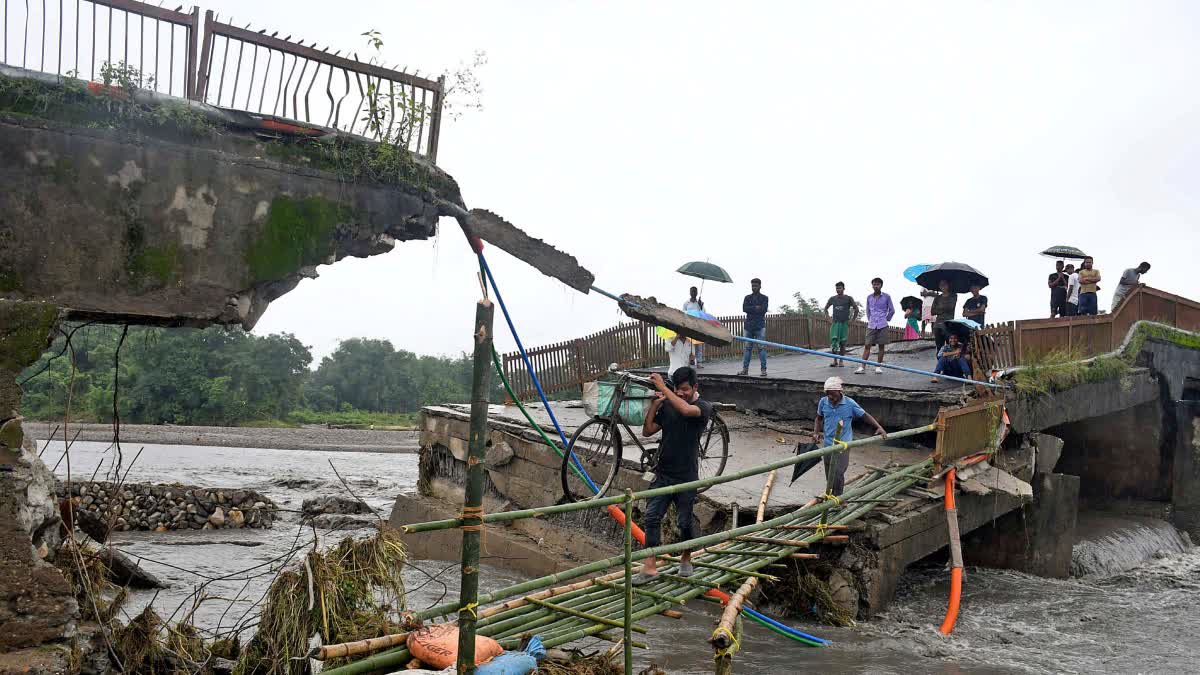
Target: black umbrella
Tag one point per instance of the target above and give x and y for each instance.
(910, 302)
(803, 467)
(963, 328)
(960, 275)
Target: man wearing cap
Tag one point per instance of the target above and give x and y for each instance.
(834, 408)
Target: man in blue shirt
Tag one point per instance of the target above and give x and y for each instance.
(755, 307)
(832, 410)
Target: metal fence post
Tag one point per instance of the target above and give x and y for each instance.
(628, 581)
(472, 513)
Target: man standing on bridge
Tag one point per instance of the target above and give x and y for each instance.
(834, 411)
(880, 311)
(682, 416)
(845, 310)
(755, 307)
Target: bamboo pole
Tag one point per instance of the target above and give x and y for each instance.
(595, 618)
(505, 516)
(641, 591)
(628, 624)
(724, 639)
(773, 541)
(870, 488)
(358, 647)
(472, 521)
(725, 568)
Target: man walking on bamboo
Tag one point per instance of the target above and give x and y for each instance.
(835, 417)
(682, 416)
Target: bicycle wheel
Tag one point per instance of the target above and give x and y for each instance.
(594, 451)
(714, 448)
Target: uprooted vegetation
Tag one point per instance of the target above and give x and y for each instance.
(350, 592)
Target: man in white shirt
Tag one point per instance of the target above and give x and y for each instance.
(1072, 291)
(679, 351)
(694, 302)
(1130, 278)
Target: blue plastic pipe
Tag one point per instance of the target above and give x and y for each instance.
(533, 375)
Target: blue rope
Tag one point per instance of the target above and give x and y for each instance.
(851, 359)
(533, 375)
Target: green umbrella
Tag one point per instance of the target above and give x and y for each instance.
(706, 271)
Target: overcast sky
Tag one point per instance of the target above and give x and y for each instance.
(803, 143)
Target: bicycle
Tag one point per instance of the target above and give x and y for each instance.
(596, 447)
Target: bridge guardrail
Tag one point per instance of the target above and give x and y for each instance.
(177, 53)
(1008, 345)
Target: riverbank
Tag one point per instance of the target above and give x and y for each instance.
(300, 438)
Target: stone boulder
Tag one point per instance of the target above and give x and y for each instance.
(333, 504)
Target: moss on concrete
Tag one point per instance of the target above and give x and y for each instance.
(24, 332)
(155, 264)
(71, 102)
(298, 232)
(358, 161)
(9, 281)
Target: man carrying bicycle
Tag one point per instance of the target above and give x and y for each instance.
(682, 416)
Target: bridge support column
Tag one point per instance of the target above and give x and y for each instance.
(1185, 488)
(1037, 538)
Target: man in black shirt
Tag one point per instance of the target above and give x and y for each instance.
(1058, 291)
(682, 416)
(975, 308)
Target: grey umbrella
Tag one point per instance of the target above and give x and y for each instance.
(1064, 253)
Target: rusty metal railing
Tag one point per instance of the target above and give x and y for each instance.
(264, 74)
(156, 46)
(173, 52)
(968, 430)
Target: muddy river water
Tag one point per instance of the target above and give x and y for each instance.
(1134, 608)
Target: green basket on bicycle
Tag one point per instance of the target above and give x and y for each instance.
(598, 401)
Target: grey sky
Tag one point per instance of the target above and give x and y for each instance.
(803, 143)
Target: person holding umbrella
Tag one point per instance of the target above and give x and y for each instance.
(950, 279)
(835, 418)
(1058, 291)
(695, 303)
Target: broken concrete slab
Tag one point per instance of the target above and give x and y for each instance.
(542, 256)
(652, 311)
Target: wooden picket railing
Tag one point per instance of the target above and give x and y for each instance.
(568, 365)
(1010, 344)
(967, 430)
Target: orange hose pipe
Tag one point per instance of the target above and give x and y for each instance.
(619, 516)
(956, 572)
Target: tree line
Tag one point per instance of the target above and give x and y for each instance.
(222, 376)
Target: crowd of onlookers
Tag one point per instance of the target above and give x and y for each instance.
(1073, 292)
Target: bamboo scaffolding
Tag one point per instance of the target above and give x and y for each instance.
(611, 604)
(504, 516)
(773, 541)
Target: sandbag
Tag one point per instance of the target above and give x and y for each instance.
(437, 646)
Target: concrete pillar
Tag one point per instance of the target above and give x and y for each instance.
(1038, 538)
(1185, 488)
(38, 611)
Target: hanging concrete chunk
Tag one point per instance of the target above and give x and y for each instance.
(651, 311)
(542, 256)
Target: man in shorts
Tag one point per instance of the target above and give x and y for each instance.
(845, 310)
(880, 311)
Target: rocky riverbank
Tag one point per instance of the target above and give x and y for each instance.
(301, 438)
(159, 507)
